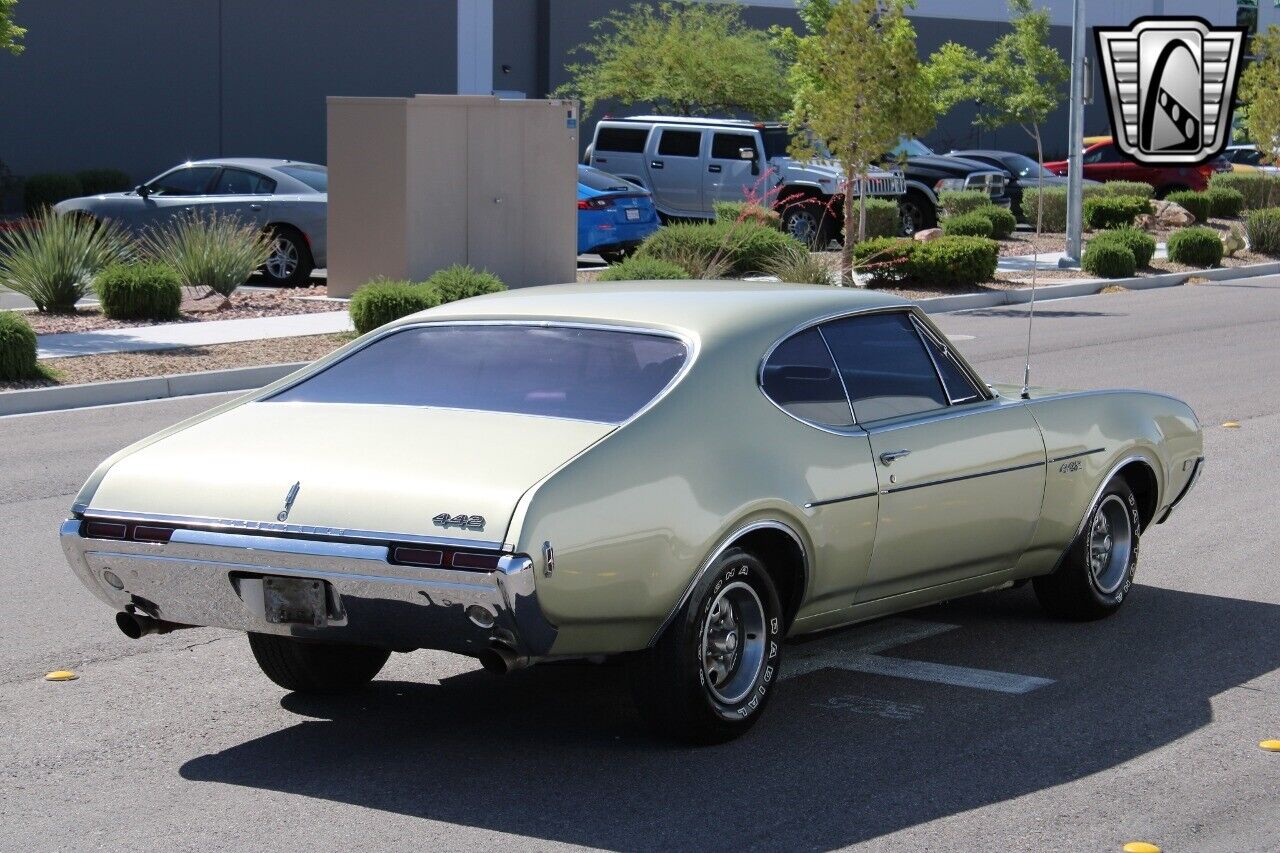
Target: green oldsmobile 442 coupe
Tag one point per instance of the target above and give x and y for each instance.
(677, 474)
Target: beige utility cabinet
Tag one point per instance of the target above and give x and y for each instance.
(417, 184)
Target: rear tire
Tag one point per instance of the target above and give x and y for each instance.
(290, 264)
(1096, 573)
(307, 667)
(711, 673)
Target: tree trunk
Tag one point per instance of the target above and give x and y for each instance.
(862, 208)
(846, 248)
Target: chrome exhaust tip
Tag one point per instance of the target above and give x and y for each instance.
(135, 626)
(500, 659)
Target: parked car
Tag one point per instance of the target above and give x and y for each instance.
(929, 174)
(1104, 162)
(287, 198)
(614, 216)
(1024, 173)
(1249, 155)
(691, 163)
(553, 478)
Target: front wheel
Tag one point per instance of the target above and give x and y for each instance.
(289, 264)
(307, 667)
(810, 222)
(917, 213)
(1096, 573)
(711, 673)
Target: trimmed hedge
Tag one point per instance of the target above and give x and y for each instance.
(47, 189)
(383, 300)
(745, 211)
(1262, 227)
(1196, 247)
(960, 202)
(462, 282)
(948, 262)
(884, 218)
(1259, 189)
(967, 225)
(1196, 203)
(1055, 207)
(99, 181)
(17, 348)
(141, 291)
(1138, 188)
(1108, 259)
(744, 246)
(1224, 203)
(1137, 241)
(1003, 222)
(884, 259)
(1113, 211)
(643, 269)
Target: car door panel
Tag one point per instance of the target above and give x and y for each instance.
(728, 177)
(243, 194)
(676, 164)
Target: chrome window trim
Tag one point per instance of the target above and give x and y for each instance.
(724, 545)
(691, 344)
(853, 417)
(927, 335)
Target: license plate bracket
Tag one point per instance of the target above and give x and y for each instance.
(633, 214)
(295, 601)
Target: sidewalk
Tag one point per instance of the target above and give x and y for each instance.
(173, 335)
(1049, 260)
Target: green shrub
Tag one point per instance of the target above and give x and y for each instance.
(17, 348)
(52, 259)
(1108, 259)
(462, 282)
(884, 218)
(643, 269)
(47, 189)
(99, 181)
(1138, 188)
(383, 300)
(1195, 247)
(1197, 204)
(967, 225)
(1137, 241)
(1113, 211)
(1224, 202)
(210, 250)
(960, 202)
(1259, 189)
(1055, 207)
(798, 265)
(954, 261)
(884, 259)
(745, 211)
(742, 247)
(1262, 227)
(139, 291)
(1003, 223)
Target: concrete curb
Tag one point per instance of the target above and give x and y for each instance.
(58, 398)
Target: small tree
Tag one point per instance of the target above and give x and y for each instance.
(1019, 81)
(858, 89)
(1260, 90)
(683, 58)
(10, 33)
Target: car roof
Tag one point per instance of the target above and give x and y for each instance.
(700, 309)
(981, 152)
(1244, 146)
(693, 120)
(252, 162)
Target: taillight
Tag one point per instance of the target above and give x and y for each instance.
(95, 529)
(417, 556)
(594, 203)
(464, 560)
(148, 533)
(442, 557)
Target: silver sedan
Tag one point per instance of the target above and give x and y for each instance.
(290, 199)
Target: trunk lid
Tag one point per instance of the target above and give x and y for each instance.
(387, 469)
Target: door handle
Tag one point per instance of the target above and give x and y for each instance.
(714, 167)
(255, 207)
(601, 160)
(656, 164)
(889, 456)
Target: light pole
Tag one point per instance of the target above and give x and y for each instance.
(1075, 140)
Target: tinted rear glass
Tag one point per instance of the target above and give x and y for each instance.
(621, 139)
(680, 143)
(603, 182)
(316, 177)
(801, 378)
(562, 372)
(884, 365)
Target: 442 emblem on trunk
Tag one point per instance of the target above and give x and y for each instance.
(468, 522)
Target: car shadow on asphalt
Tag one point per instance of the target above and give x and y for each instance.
(557, 753)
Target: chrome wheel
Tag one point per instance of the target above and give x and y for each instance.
(911, 216)
(1110, 544)
(733, 642)
(283, 262)
(803, 225)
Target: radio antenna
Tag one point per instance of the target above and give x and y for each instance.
(1035, 265)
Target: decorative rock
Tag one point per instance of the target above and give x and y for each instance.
(1171, 214)
(1145, 221)
(928, 234)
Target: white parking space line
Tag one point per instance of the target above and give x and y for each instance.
(873, 707)
(860, 652)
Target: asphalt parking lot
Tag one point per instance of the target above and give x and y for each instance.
(975, 725)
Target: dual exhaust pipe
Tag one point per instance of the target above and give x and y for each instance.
(135, 625)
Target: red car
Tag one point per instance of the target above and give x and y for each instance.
(1104, 162)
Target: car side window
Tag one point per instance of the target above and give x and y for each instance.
(680, 143)
(885, 366)
(627, 139)
(185, 180)
(728, 146)
(240, 182)
(957, 384)
(800, 377)
(1102, 154)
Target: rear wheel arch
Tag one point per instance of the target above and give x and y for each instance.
(1142, 481)
(780, 549)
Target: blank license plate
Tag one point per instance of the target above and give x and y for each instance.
(291, 601)
(633, 214)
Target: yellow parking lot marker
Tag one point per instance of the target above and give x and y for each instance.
(1270, 745)
(1231, 424)
(1141, 847)
(61, 675)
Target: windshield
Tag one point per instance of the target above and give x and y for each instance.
(599, 375)
(316, 177)
(1025, 167)
(908, 147)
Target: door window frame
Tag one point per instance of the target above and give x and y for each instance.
(214, 172)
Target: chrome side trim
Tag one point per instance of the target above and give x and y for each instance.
(829, 501)
(720, 549)
(961, 478)
(1067, 456)
(1191, 482)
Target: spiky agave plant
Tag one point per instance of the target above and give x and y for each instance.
(52, 258)
(209, 251)
(797, 265)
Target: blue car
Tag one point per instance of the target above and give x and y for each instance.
(614, 215)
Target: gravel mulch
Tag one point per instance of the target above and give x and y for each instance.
(195, 308)
(134, 365)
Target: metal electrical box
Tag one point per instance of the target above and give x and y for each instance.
(417, 184)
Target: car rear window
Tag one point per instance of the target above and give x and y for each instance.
(602, 181)
(630, 139)
(316, 177)
(601, 375)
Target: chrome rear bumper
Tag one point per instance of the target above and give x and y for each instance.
(214, 579)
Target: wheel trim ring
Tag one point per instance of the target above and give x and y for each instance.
(1110, 544)
(749, 656)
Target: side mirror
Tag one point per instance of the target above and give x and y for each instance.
(750, 154)
(142, 191)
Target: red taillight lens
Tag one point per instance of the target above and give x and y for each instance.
(146, 533)
(417, 556)
(463, 560)
(104, 530)
(593, 203)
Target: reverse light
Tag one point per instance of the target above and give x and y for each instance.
(593, 203)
